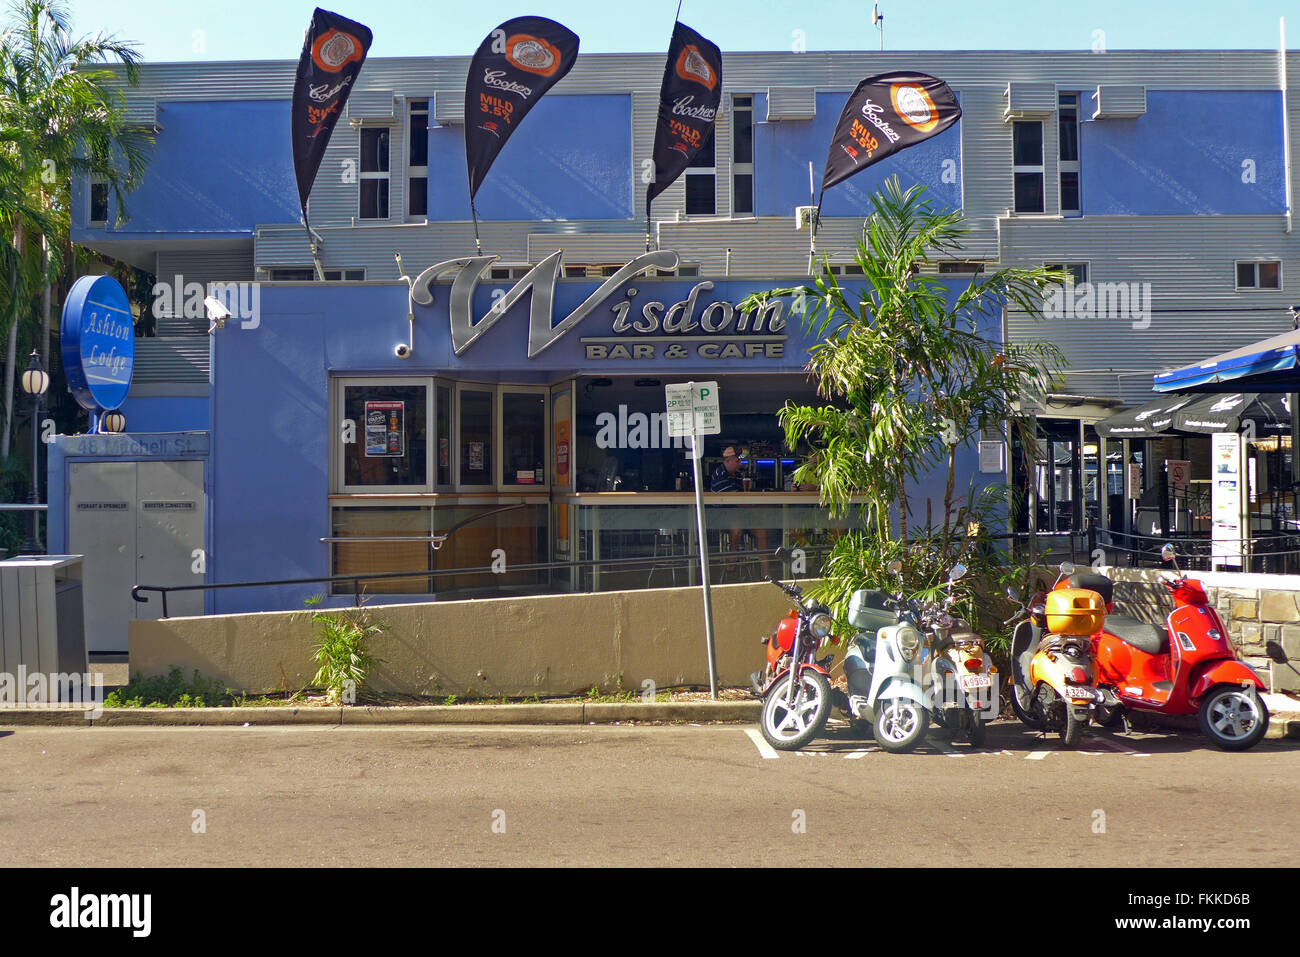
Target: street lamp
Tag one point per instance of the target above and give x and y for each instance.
(35, 381)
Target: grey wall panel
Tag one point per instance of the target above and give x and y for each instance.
(220, 265)
(791, 103)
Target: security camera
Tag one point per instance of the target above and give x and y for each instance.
(402, 350)
(217, 313)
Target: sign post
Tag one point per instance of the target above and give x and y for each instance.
(693, 411)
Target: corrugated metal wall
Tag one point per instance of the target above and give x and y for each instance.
(1188, 261)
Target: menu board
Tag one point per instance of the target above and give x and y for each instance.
(1226, 499)
(385, 435)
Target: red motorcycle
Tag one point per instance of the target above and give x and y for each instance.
(1188, 667)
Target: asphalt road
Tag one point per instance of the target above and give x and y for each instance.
(623, 795)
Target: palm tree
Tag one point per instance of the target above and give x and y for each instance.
(908, 377)
(64, 117)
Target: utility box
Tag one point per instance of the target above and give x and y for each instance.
(42, 616)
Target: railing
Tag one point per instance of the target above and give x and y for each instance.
(662, 561)
(1265, 552)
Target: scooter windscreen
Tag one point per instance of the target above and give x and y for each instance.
(1024, 643)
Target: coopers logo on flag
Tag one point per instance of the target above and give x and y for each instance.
(533, 54)
(691, 65)
(887, 113)
(335, 49)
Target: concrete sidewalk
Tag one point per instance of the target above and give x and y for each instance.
(578, 712)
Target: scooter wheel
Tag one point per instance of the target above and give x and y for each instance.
(1233, 718)
(789, 727)
(1075, 725)
(976, 730)
(900, 724)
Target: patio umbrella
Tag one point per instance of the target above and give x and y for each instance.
(1148, 421)
(1271, 414)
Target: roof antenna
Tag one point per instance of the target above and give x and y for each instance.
(878, 21)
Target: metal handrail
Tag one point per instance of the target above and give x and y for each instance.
(24, 508)
(656, 561)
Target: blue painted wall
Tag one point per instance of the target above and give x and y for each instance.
(570, 158)
(218, 169)
(783, 150)
(1184, 156)
(271, 433)
(165, 413)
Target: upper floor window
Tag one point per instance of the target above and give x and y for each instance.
(701, 182)
(98, 199)
(1027, 157)
(967, 267)
(374, 173)
(308, 274)
(1077, 273)
(1259, 275)
(417, 161)
(742, 155)
(1068, 153)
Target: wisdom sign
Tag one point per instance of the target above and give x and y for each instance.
(693, 408)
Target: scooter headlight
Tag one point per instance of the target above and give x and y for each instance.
(909, 639)
(821, 625)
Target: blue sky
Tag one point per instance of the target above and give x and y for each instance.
(168, 30)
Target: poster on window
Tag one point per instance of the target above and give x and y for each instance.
(476, 456)
(385, 436)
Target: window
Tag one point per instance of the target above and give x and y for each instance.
(958, 266)
(308, 274)
(523, 437)
(417, 161)
(1259, 275)
(845, 269)
(701, 182)
(742, 156)
(390, 446)
(476, 436)
(374, 173)
(98, 199)
(1068, 154)
(509, 272)
(1078, 271)
(1027, 150)
(442, 409)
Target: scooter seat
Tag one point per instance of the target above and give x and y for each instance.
(1152, 639)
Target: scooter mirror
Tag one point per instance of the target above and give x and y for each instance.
(1167, 553)
(958, 571)
(1013, 593)
(895, 567)
(1067, 568)
(783, 553)
(1274, 651)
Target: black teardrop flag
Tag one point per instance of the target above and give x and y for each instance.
(332, 55)
(886, 114)
(688, 106)
(512, 69)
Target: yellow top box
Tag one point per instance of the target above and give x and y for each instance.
(1075, 611)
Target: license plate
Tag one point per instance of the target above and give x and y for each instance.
(1080, 694)
(971, 682)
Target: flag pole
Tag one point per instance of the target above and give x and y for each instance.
(311, 244)
(473, 211)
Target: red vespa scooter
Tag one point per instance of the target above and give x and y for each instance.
(1189, 667)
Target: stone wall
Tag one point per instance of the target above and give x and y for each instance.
(1256, 608)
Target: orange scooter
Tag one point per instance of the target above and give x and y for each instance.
(1188, 667)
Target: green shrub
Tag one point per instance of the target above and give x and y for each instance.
(168, 691)
(344, 661)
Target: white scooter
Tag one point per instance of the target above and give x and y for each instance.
(883, 687)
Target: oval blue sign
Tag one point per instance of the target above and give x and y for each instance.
(98, 343)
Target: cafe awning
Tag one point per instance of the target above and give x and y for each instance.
(1271, 365)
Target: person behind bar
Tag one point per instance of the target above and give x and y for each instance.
(726, 477)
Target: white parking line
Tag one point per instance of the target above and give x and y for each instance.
(765, 749)
(947, 749)
(854, 755)
(1037, 755)
(1120, 748)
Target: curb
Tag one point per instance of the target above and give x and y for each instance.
(504, 714)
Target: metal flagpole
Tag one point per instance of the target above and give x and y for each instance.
(311, 244)
(473, 211)
(696, 454)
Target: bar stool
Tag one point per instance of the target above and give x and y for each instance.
(670, 543)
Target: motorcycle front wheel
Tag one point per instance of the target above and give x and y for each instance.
(789, 728)
(1075, 726)
(900, 724)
